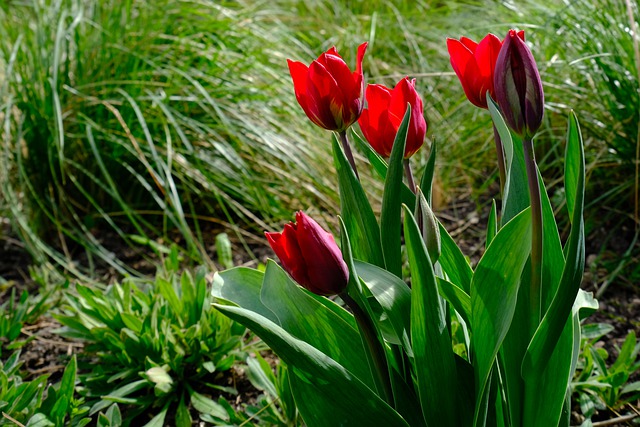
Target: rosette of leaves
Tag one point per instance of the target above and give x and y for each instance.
(160, 351)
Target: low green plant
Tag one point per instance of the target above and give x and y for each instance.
(599, 384)
(37, 403)
(158, 348)
(16, 312)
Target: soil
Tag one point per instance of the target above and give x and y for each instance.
(465, 219)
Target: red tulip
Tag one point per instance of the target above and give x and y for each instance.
(474, 64)
(328, 92)
(384, 113)
(518, 86)
(310, 255)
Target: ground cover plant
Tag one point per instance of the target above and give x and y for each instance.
(128, 125)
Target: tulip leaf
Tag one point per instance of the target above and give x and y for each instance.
(554, 320)
(357, 214)
(393, 295)
(459, 299)
(242, 287)
(390, 225)
(516, 193)
(426, 182)
(453, 261)
(494, 291)
(380, 166)
(435, 366)
(325, 392)
(492, 223)
(322, 327)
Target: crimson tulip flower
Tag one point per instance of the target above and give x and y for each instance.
(384, 113)
(518, 86)
(474, 64)
(311, 256)
(328, 92)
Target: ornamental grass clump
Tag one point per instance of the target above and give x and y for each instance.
(440, 343)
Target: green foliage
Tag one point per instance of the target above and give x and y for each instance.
(600, 383)
(15, 313)
(157, 348)
(34, 403)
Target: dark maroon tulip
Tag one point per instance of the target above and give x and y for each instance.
(311, 256)
(518, 86)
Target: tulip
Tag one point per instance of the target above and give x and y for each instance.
(474, 64)
(328, 92)
(384, 113)
(518, 86)
(311, 256)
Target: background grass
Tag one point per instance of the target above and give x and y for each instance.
(137, 124)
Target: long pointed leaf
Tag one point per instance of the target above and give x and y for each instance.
(391, 204)
(494, 291)
(357, 214)
(326, 393)
(435, 366)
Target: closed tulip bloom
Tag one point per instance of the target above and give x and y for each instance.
(311, 256)
(384, 113)
(518, 86)
(330, 94)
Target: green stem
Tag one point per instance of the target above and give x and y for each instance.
(500, 153)
(368, 330)
(347, 151)
(409, 174)
(536, 230)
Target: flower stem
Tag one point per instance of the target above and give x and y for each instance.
(536, 230)
(500, 153)
(380, 370)
(409, 174)
(347, 151)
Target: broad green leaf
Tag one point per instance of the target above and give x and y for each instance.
(206, 405)
(556, 316)
(357, 214)
(494, 291)
(119, 393)
(426, 182)
(492, 223)
(65, 392)
(546, 391)
(380, 166)
(393, 295)
(306, 319)
(390, 225)
(516, 193)
(453, 262)
(183, 417)
(370, 333)
(158, 420)
(326, 393)
(39, 420)
(459, 299)
(435, 367)
(242, 286)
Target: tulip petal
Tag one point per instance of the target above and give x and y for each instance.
(466, 68)
(486, 55)
(325, 267)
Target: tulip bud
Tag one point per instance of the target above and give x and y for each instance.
(428, 226)
(518, 86)
(311, 256)
(328, 92)
(384, 113)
